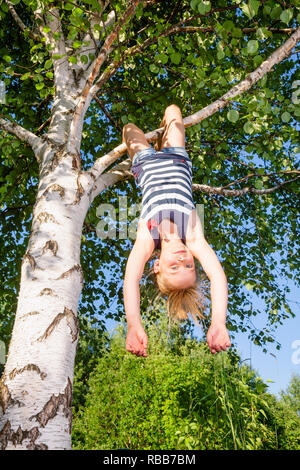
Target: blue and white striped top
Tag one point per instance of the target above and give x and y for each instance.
(166, 183)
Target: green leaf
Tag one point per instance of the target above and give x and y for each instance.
(25, 76)
(39, 86)
(246, 10)
(286, 15)
(77, 44)
(220, 54)
(153, 68)
(48, 64)
(72, 34)
(258, 184)
(253, 7)
(275, 12)
(194, 4)
(233, 115)
(204, 7)
(84, 59)
(248, 127)
(262, 33)
(249, 285)
(285, 117)
(7, 58)
(175, 58)
(228, 25)
(163, 58)
(252, 46)
(73, 59)
(68, 6)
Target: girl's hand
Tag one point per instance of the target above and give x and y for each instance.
(218, 338)
(137, 341)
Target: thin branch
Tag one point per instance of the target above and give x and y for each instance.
(87, 94)
(121, 172)
(43, 125)
(23, 134)
(96, 19)
(107, 114)
(239, 192)
(211, 29)
(58, 46)
(20, 23)
(115, 65)
(106, 46)
(261, 176)
(276, 57)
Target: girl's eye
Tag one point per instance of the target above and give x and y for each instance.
(189, 265)
(173, 268)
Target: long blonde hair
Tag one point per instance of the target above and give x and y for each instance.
(182, 302)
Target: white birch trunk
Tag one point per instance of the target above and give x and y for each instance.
(36, 388)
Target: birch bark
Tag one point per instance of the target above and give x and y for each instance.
(36, 389)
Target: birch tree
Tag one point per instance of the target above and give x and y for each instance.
(65, 64)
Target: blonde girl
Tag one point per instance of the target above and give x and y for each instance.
(169, 223)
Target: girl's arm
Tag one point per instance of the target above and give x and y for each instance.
(217, 337)
(142, 249)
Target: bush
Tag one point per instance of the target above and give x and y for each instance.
(179, 397)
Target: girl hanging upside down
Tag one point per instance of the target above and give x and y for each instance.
(169, 223)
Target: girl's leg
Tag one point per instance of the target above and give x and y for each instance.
(135, 139)
(174, 133)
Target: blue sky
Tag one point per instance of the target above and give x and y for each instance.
(275, 365)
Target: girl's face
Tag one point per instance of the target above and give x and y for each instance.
(176, 265)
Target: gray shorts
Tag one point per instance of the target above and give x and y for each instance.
(143, 154)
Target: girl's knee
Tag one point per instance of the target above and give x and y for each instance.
(173, 108)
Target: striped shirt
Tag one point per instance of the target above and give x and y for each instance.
(166, 183)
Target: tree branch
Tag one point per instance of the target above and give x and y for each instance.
(107, 114)
(20, 23)
(261, 176)
(107, 44)
(113, 67)
(61, 67)
(277, 56)
(221, 191)
(121, 172)
(58, 46)
(23, 134)
(210, 29)
(87, 93)
(96, 19)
